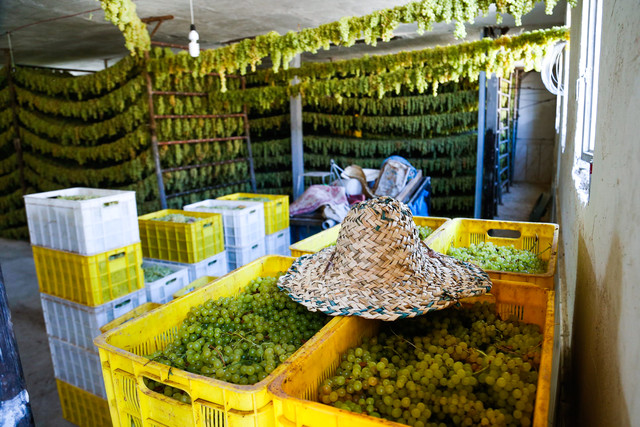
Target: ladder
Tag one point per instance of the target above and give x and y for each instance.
(155, 143)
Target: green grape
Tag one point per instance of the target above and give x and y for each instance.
(424, 231)
(241, 339)
(500, 258)
(455, 367)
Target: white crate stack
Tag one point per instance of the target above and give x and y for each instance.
(244, 235)
(84, 221)
(278, 243)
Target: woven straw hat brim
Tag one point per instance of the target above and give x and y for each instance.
(439, 282)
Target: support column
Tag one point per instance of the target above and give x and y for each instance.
(490, 205)
(297, 157)
(477, 207)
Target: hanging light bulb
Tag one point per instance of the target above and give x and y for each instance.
(194, 46)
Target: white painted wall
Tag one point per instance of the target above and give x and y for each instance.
(536, 131)
(599, 267)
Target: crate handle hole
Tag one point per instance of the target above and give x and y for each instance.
(504, 234)
(115, 202)
(209, 224)
(160, 388)
(171, 281)
(116, 256)
(212, 262)
(254, 246)
(252, 211)
(123, 303)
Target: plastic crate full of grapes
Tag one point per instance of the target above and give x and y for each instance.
(488, 362)
(507, 250)
(207, 358)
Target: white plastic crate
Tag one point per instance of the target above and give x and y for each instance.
(243, 226)
(85, 227)
(278, 243)
(79, 324)
(213, 266)
(161, 290)
(77, 366)
(240, 256)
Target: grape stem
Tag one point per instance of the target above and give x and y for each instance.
(219, 354)
(403, 338)
(241, 337)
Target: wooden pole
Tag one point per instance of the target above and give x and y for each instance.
(154, 137)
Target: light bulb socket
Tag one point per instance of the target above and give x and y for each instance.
(193, 27)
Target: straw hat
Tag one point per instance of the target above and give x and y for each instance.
(380, 269)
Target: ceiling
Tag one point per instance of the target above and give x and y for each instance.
(85, 41)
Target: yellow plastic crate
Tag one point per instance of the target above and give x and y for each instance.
(81, 407)
(276, 212)
(200, 282)
(136, 312)
(89, 280)
(295, 391)
(214, 403)
(186, 243)
(539, 237)
(319, 241)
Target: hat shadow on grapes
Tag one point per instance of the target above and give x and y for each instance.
(380, 269)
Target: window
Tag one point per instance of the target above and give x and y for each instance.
(587, 83)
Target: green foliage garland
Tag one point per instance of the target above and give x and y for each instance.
(249, 53)
(6, 118)
(69, 132)
(423, 126)
(9, 164)
(122, 13)
(82, 87)
(399, 105)
(125, 148)
(112, 103)
(5, 97)
(125, 172)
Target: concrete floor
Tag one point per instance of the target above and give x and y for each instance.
(17, 265)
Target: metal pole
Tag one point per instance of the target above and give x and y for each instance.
(477, 207)
(15, 409)
(154, 137)
(297, 148)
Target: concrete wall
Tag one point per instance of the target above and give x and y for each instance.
(536, 131)
(599, 267)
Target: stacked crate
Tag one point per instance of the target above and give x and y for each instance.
(191, 249)
(276, 220)
(243, 228)
(87, 253)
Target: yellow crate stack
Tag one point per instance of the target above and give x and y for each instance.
(88, 257)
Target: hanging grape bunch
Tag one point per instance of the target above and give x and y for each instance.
(500, 258)
(239, 339)
(459, 367)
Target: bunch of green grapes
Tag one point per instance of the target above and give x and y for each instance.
(424, 231)
(500, 258)
(462, 367)
(179, 218)
(240, 339)
(155, 272)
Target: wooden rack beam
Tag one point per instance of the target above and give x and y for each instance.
(214, 187)
(204, 165)
(160, 92)
(196, 141)
(199, 116)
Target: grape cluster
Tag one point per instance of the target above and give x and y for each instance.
(178, 218)
(155, 272)
(424, 231)
(500, 258)
(458, 367)
(240, 339)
